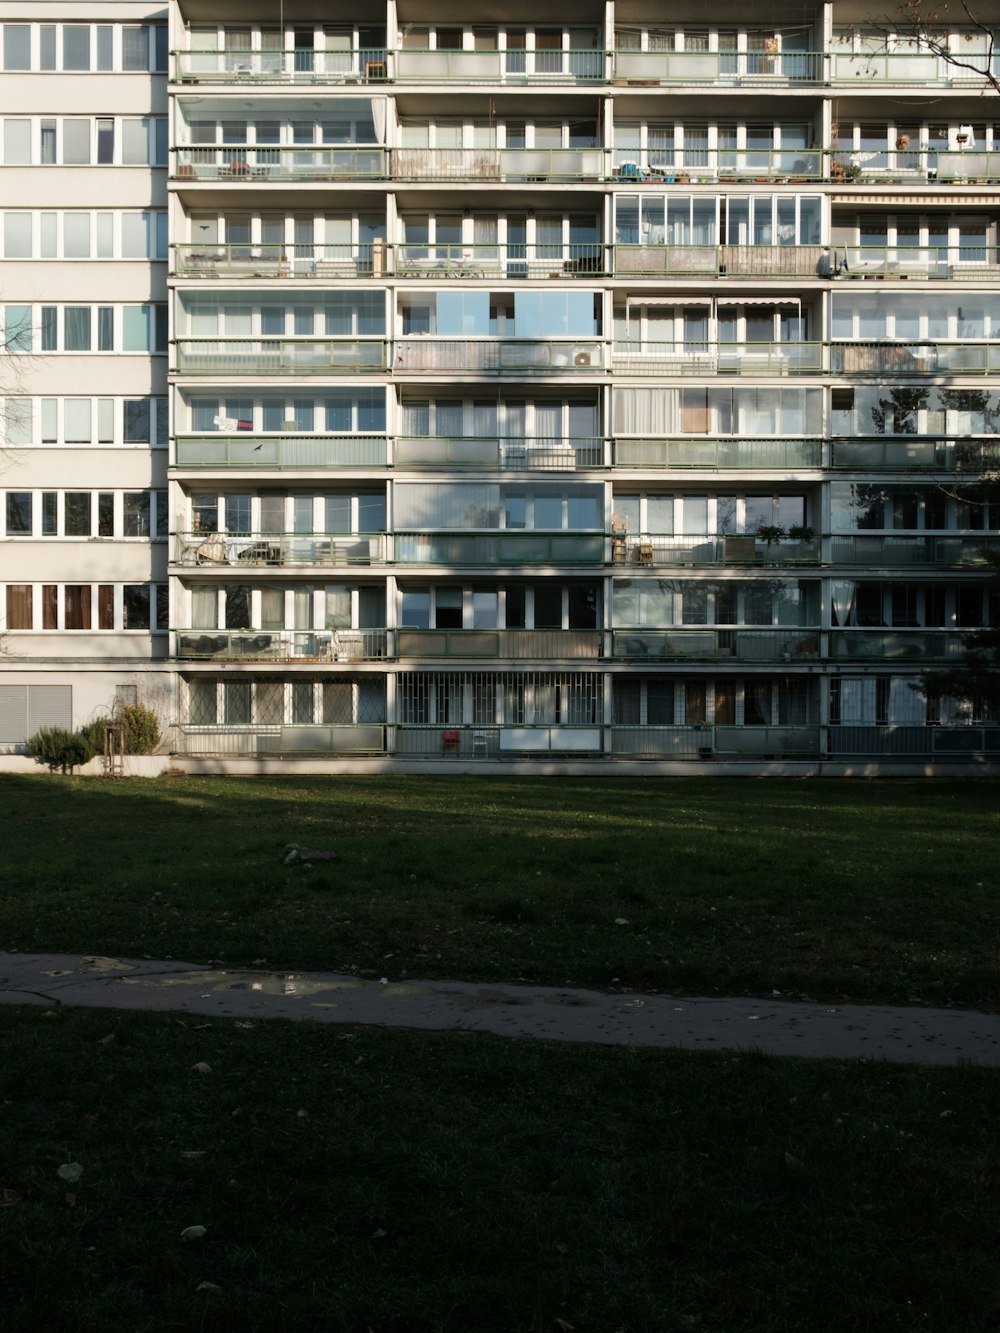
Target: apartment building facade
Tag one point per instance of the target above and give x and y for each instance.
(616, 386)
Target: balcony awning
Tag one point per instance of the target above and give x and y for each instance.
(678, 300)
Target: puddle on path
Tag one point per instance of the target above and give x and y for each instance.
(260, 983)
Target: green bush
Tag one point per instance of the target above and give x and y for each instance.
(93, 734)
(142, 729)
(59, 748)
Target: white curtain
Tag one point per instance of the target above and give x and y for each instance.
(645, 412)
(905, 704)
(379, 118)
(857, 700)
(842, 599)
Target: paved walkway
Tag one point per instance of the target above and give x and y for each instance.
(777, 1027)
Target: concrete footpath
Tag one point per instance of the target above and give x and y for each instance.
(547, 1013)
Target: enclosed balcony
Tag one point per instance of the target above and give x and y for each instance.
(499, 548)
(896, 645)
(873, 551)
(279, 356)
(700, 453)
(648, 550)
(902, 455)
(728, 261)
(284, 451)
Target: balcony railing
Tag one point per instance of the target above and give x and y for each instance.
(679, 358)
(478, 260)
(235, 65)
(512, 644)
(893, 645)
(917, 68)
(499, 548)
(213, 260)
(895, 739)
(918, 165)
(517, 455)
(419, 354)
(912, 451)
(279, 548)
(914, 358)
(264, 739)
(745, 645)
(727, 68)
(507, 66)
(253, 645)
(279, 356)
(650, 551)
(743, 165)
(912, 550)
(699, 452)
(250, 450)
(498, 164)
(730, 261)
(968, 263)
(242, 163)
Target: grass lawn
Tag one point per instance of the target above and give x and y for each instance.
(848, 890)
(402, 1183)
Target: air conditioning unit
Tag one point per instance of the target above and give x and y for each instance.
(581, 357)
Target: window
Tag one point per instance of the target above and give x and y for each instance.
(19, 606)
(19, 513)
(135, 606)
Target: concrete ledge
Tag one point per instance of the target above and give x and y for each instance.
(136, 766)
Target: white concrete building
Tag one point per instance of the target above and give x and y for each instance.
(613, 385)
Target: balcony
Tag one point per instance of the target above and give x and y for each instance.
(698, 452)
(510, 67)
(279, 356)
(680, 166)
(743, 645)
(645, 551)
(903, 455)
(960, 263)
(497, 164)
(355, 645)
(728, 69)
(915, 166)
(896, 645)
(678, 358)
(499, 548)
(507, 455)
(478, 260)
(499, 644)
(420, 354)
(920, 69)
(255, 549)
(729, 261)
(237, 65)
(263, 739)
(914, 358)
(245, 165)
(946, 552)
(278, 261)
(249, 450)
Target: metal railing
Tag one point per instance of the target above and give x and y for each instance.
(899, 739)
(892, 645)
(508, 455)
(252, 645)
(699, 452)
(214, 259)
(727, 68)
(744, 549)
(417, 354)
(916, 357)
(922, 68)
(279, 548)
(505, 65)
(279, 356)
(261, 164)
(658, 742)
(911, 550)
(499, 548)
(236, 65)
(488, 260)
(764, 741)
(966, 262)
(694, 165)
(498, 164)
(920, 164)
(262, 739)
(495, 644)
(680, 358)
(247, 449)
(746, 645)
(730, 261)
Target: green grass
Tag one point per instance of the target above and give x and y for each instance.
(877, 891)
(352, 1180)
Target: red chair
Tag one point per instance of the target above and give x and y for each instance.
(451, 742)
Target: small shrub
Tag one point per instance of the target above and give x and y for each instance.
(142, 729)
(93, 734)
(59, 748)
